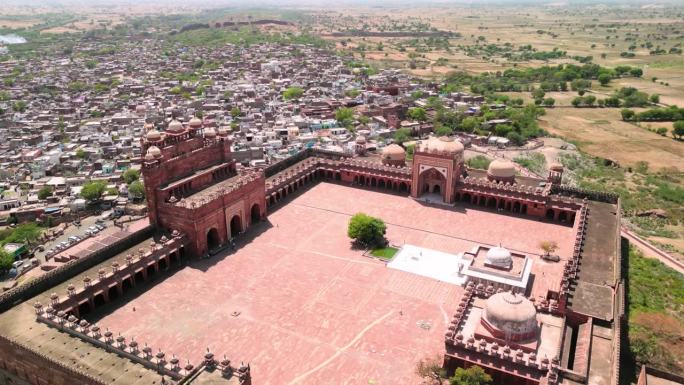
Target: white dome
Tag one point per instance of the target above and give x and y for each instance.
(209, 132)
(443, 144)
(394, 152)
(175, 126)
(499, 257)
(195, 122)
(153, 152)
(153, 135)
(501, 168)
(511, 314)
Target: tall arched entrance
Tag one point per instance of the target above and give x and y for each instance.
(213, 240)
(255, 213)
(235, 226)
(432, 182)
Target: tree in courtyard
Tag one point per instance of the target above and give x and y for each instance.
(131, 175)
(366, 230)
(344, 116)
(6, 260)
(136, 190)
(678, 129)
(402, 135)
(81, 154)
(292, 93)
(548, 247)
(93, 191)
(474, 375)
(44, 192)
(431, 367)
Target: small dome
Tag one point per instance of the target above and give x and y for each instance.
(394, 152)
(360, 139)
(209, 132)
(501, 168)
(511, 314)
(153, 135)
(443, 144)
(195, 122)
(223, 131)
(140, 108)
(175, 126)
(556, 167)
(293, 130)
(153, 152)
(499, 257)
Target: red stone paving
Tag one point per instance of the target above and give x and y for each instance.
(312, 310)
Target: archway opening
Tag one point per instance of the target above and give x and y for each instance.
(436, 189)
(516, 207)
(126, 285)
(255, 213)
(99, 300)
(403, 187)
(84, 309)
(163, 265)
(466, 197)
(563, 216)
(212, 239)
(139, 277)
(235, 226)
(113, 293)
(549, 214)
(491, 203)
(151, 271)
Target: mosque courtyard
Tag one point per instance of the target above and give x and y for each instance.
(302, 306)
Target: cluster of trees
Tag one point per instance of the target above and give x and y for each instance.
(667, 114)
(552, 78)
(25, 233)
(135, 186)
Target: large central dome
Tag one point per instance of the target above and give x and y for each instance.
(443, 144)
(510, 316)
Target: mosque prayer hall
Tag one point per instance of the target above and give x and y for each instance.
(245, 275)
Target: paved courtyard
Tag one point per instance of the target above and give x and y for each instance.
(303, 307)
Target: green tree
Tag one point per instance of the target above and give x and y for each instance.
(549, 102)
(604, 79)
(92, 191)
(292, 93)
(136, 190)
(344, 116)
(442, 130)
(655, 98)
(131, 175)
(402, 135)
(6, 260)
(112, 191)
(417, 113)
(678, 129)
(366, 230)
(44, 192)
(19, 106)
(627, 114)
(81, 154)
(474, 375)
(235, 112)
